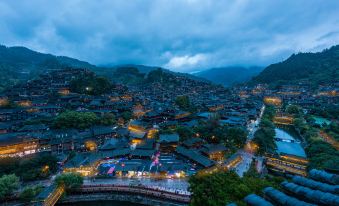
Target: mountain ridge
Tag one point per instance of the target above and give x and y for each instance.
(315, 68)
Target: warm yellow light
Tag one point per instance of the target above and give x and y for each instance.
(90, 145)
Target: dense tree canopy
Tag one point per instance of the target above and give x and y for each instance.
(232, 137)
(322, 155)
(91, 84)
(107, 119)
(73, 119)
(183, 102)
(264, 136)
(8, 184)
(223, 188)
(29, 193)
(69, 180)
(236, 136)
(33, 168)
(293, 110)
(184, 132)
(315, 68)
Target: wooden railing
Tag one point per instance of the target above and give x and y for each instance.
(167, 195)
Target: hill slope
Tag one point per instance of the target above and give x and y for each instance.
(228, 76)
(20, 63)
(315, 68)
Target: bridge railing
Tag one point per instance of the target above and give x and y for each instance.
(134, 189)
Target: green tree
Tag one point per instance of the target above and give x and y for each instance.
(236, 136)
(266, 123)
(91, 84)
(183, 102)
(127, 115)
(108, 119)
(69, 180)
(293, 109)
(223, 188)
(184, 133)
(8, 184)
(30, 168)
(264, 137)
(269, 113)
(29, 193)
(73, 119)
(158, 75)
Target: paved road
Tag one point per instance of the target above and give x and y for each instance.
(245, 164)
(246, 154)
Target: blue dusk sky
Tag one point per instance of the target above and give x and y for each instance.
(181, 35)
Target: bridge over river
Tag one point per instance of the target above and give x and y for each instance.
(142, 191)
(138, 190)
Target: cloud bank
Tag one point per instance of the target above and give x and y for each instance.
(182, 35)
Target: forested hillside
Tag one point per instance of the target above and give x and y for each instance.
(315, 68)
(20, 63)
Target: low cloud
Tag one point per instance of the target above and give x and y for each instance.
(180, 35)
(186, 62)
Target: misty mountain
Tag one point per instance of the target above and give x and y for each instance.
(20, 64)
(228, 76)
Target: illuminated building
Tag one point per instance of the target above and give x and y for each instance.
(64, 91)
(284, 120)
(24, 103)
(83, 163)
(215, 152)
(138, 111)
(137, 126)
(168, 142)
(152, 133)
(127, 97)
(287, 164)
(276, 101)
(181, 115)
(90, 145)
(331, 93)
(114, 99)
(216, 107)
(17, 144)
(3, 101)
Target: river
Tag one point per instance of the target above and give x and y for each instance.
(288, 144)
(104, 203)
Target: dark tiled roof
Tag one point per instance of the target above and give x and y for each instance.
(195, 156)
(212, 148)
(168, 138)
(190, 142)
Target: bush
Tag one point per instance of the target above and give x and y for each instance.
(69, 180)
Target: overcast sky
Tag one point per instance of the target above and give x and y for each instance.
(182, 35)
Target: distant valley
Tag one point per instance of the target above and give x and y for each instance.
(20, 64)
(229, 76)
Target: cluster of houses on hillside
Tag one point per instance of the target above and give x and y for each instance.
(27, 110)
